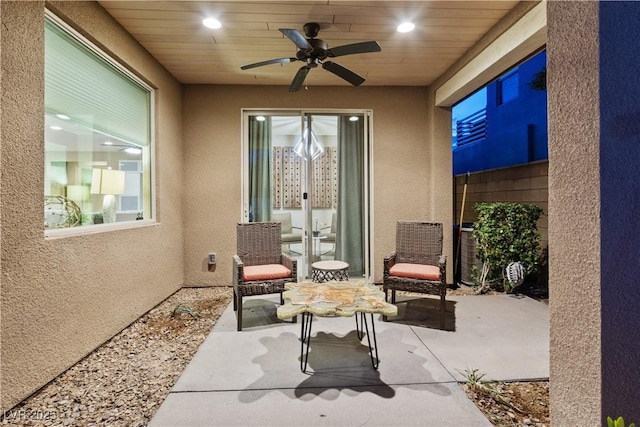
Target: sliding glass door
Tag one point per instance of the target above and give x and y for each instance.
(309, 171)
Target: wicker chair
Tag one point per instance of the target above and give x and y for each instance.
(260, 267)
(417, 264)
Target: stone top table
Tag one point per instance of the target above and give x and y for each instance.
(333, 299)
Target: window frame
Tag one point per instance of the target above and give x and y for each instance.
(148, 156)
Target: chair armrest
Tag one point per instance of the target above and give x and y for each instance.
(291, 264)
(389, 261)
(238, 269)
(442, 260)
(442, 263)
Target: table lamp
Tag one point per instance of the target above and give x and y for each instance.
(109, 183)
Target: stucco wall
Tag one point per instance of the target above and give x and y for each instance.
(61, 298)
(574, 213)
(403, 164)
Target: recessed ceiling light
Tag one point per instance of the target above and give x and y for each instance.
(353, 118)
(260, 118)
(55, 128)
(107, 143)
(212, 23)
(405, 27)
(62, 116)
(133, 150)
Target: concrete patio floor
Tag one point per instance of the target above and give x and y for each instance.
(253, 377)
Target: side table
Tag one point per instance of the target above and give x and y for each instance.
(325, 271)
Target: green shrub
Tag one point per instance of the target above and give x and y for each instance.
(506, 232)
(619, 422)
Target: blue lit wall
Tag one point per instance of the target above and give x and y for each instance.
(620, 204)
(516, 130)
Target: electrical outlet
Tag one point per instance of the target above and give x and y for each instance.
(212, 258)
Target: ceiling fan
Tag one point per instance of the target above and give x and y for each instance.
(129, 148)
(314, 51)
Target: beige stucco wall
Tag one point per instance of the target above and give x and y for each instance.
(404, 164)
(61, 298)
(574, 224)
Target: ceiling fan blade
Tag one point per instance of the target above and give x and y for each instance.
(298, 80)
(344, 73)
(269, 62)
(350, 49)
(296, 37)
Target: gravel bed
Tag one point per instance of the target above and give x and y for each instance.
(124, 381)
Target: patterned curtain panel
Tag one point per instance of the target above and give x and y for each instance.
(287, 179)
(324, 171)
(291, 179)
(276, 195)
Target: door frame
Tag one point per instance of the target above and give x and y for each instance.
(368, 167)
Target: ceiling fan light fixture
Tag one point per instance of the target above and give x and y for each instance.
(406, 27)
(133, 150)
(212, 23)
(315, 148)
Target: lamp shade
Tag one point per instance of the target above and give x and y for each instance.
(112, 182)
(107, 181)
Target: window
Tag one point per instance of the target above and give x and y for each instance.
(508, 87)
(130, 199)
(97, 135)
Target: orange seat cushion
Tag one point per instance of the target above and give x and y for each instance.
(415, 271)
(265, 272)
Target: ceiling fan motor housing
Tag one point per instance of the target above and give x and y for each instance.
(311, 29)
(318, 50)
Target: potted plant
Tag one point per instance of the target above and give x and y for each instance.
(506, 232)
(98, 218)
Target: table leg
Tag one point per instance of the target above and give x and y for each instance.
(360, 326)
(362, 329)
(375, 361)
(305, 338)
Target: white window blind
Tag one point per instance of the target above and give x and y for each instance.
(92, 92)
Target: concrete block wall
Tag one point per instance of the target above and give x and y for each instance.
(524, 184)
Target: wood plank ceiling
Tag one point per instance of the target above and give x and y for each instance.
(173, 33)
